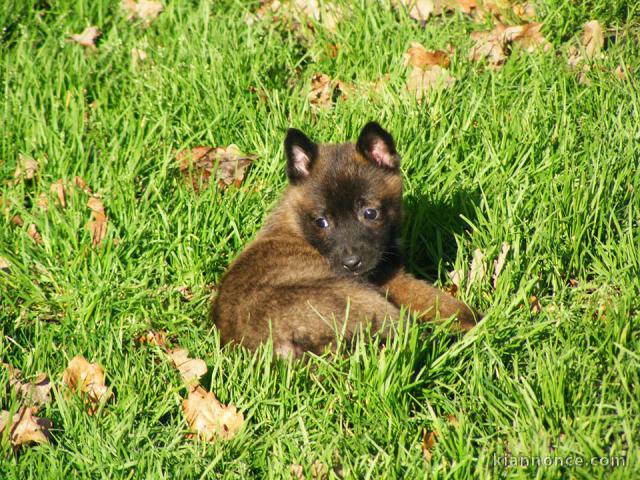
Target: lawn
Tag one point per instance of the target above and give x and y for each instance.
(535, 154)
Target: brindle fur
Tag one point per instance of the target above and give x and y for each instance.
(290, 283)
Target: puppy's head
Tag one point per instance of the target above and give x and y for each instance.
(347, 198)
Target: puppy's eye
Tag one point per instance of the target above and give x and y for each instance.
(321, 222)
(370, 213)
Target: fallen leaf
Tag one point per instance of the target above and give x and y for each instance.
(319, 471)
(36, 392)
(32, 231)
(210, 419)
(420, 82)
(185, 292)
(17, 220)
(524, 11)
(190, 368)
(591, 44)
(88, 380)
(420, 10)
(228, 164)
(158, 338)
(25, 428)
(428, 442)
(57, 188)
(5, 266)
(453, 421)
(43, 201)
(145, 10)
(477, 270)
(98, 222)
(324, 92)
(82, 185)
(620, 73)
(498, 265)
(26, 169)
(87, 38)
(534, 304)
(457, 277)
(494, 46)
(573, 283)
(138, 56)
(296, 471)
(418, 56)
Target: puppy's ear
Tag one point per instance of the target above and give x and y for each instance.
(301, 154)
(377, 146)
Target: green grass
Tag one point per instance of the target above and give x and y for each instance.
(525, 155)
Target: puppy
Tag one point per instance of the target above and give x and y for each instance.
(327, 259)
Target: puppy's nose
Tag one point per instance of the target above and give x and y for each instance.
(352, 262)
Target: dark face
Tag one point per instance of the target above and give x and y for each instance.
(349, 200)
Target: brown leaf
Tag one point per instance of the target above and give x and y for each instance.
(32, 231)
(88, 380)
(138, 56)
(453, 421)
(26, 169)
(524, 11)
(24, 428)
(87, 38)
(98, 222)
(36, 392)
(82, 185)
(592, 39)
(477, 270)
(227, 164)
(420, 10)
(494, 45)
(418, 56)
(428, 442)
(499, 263)
(17, 220)
(210, 419)
(158, 338)
(191, 369)
(420, 81)
(324, 92)
(5, 266)
(145, 10)
(43, 201)
(534, 304)
(319, 471)
(57, 188)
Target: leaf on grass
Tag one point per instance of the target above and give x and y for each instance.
(498, 265)
(36, 392)
(477, 270)
(158, 338)
(88, 380)
(5, 266)
(25, 428)
(319, 471)
(495, 46)
(98, 222)
(428, 442)
(208, 418)
(296, 471)
(138, 56)
(419, 57)
(453, 421)
(324, 92)
(26, 169)
(82, 185)
(420, 10)
(228, 165)
(534, 304)
(191, 369)
(32, 231)
(43, 201)
(87, 38)
(58, 189)
(457, 277)
(429, 70)
(145, 10)
(591, 44)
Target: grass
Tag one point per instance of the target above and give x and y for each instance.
(524, 155)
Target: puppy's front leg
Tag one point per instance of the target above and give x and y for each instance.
(426, 300)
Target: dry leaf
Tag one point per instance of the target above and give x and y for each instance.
(154, 338)
(573, 283)
(185, 292)
(5, 266)
(524, 11)
(477, 270)
(319, 471)
(499, 263)
(457, 277)
(145, 10)
(428, 442)
(418, 56)
(297, 471)
(24, 428)
(591, 44)
(453, 421)
(495, 45)
(43, 201)
(210, 419)
(138, 56)
(534, 304)
(88, 380)
(17, 220)
(57, 187)
(87, 38)
(190, 368)
(36, 392)
(27, 168)
(98, 222)
(324, 92)
(198, 164)
(420, 10)
(32, 231)
(82, 185)
(420, 82)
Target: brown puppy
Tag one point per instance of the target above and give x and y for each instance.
(327, 259)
